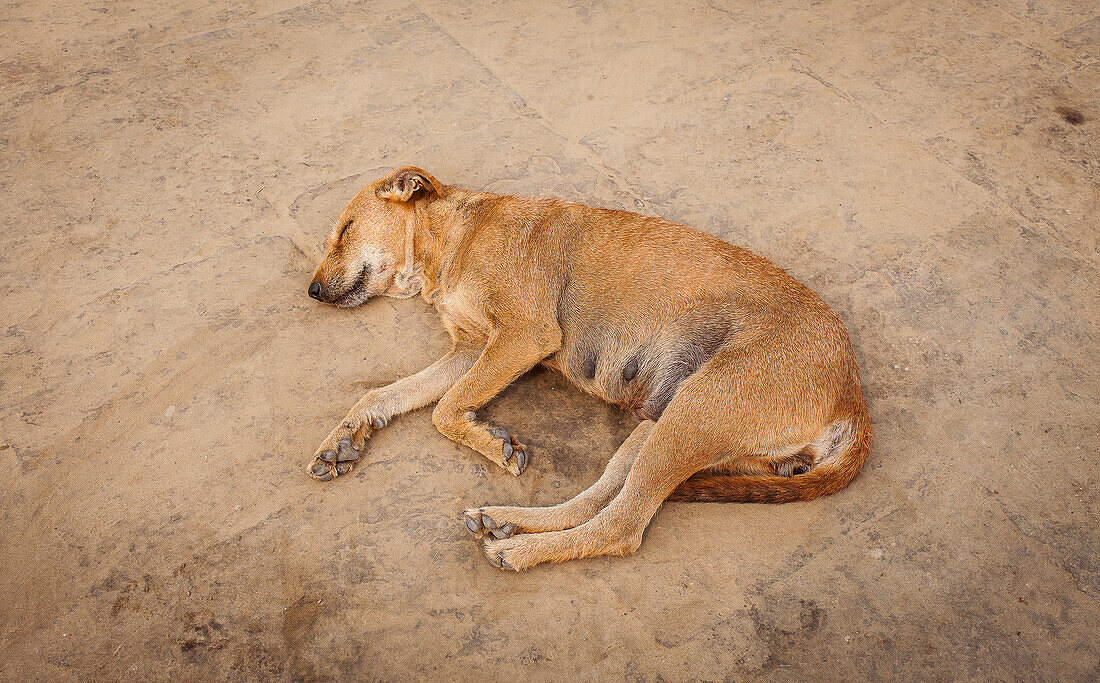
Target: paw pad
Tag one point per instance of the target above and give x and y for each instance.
(511, 449)
(479, 524)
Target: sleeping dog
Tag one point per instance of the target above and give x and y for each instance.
(743, 380)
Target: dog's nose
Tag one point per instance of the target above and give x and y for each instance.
(315, 290)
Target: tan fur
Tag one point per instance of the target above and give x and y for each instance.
(744, 379)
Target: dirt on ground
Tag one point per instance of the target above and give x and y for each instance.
(168, 174)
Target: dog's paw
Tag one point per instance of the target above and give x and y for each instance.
(509, 553)
(329, 463)
(342, 448)
(513, 454)
(481, 525)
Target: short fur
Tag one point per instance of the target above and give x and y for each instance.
(744, 380)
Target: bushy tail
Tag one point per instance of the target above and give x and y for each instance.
(838, 464)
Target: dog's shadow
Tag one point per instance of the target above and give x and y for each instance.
(572, 435)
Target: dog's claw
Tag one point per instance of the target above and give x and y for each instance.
(496, 560)
(504, 565)
(379, 423)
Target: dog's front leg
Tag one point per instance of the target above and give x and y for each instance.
(379, 406)
(509, 353)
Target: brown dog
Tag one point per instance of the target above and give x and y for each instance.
(743, 379)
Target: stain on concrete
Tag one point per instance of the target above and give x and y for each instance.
(1071, 115)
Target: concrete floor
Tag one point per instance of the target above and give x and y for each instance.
(168, 173)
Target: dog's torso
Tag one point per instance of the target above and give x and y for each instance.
(641, 303)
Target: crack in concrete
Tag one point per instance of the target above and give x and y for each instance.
(238, 24)
(575, 146)
(1043, 542)
(1062, 240)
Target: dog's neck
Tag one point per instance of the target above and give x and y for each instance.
(419, 269)
(437, 229)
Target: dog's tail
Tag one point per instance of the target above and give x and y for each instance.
(838, 456)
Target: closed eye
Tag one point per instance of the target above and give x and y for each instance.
(347, 225)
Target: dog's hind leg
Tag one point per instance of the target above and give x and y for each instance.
(342, 447)
(666, 458)
(502, 522)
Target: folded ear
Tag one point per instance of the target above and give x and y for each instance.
(406, 183)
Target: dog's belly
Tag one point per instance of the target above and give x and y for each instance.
(642, 366)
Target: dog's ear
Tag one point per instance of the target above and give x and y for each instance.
(408, 182)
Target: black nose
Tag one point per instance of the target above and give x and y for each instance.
(315, 290)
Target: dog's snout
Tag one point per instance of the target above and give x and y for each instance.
(315, 290)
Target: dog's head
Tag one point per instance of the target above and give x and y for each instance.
(369, 252)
